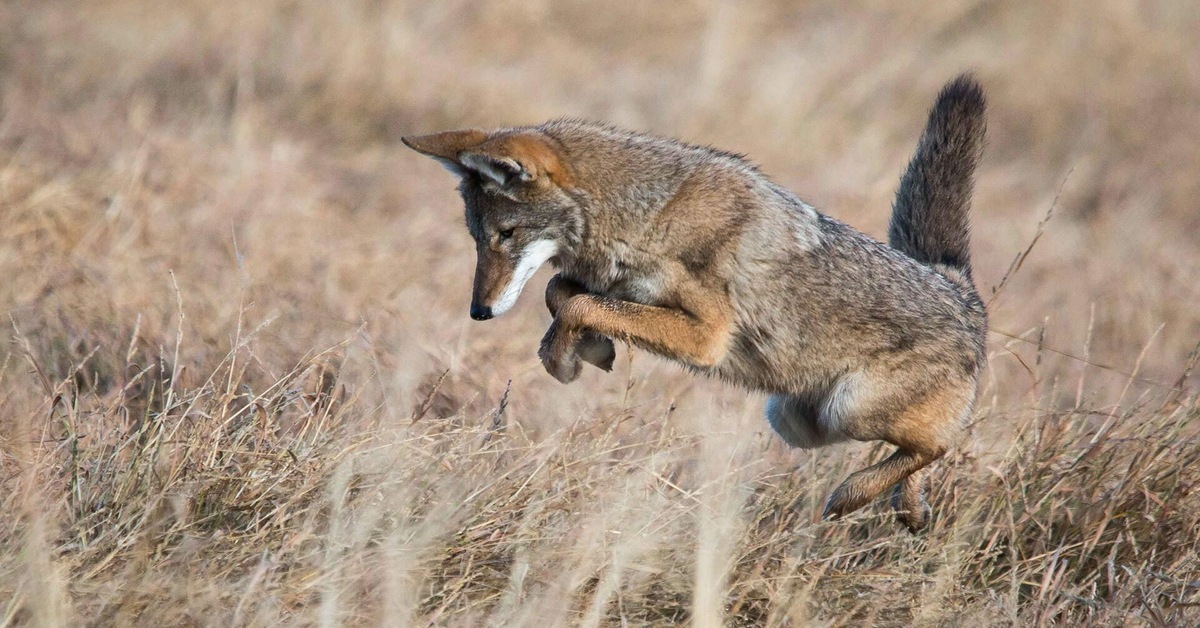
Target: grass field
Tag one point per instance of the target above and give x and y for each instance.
(241, 386)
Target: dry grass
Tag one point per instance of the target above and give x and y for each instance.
(241, 386)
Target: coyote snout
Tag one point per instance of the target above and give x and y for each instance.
(502, 270)
(693, 254)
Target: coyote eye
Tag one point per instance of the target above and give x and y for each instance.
(506, 233)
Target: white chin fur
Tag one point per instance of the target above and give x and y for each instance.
(532, 259)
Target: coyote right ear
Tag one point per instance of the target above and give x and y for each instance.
(446, 146)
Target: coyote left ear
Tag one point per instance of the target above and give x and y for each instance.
(518, 157)
(525, 156)
(503, 170)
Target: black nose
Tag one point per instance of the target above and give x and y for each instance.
(480, 313)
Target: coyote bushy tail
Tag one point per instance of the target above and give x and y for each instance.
(930, 221)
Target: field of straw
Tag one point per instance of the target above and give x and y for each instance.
(240, 387)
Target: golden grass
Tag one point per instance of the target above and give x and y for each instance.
(241, 387)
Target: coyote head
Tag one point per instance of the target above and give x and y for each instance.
(520, 206)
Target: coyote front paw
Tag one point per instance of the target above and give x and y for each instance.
(558, 354)
(596, 350)
(565, 366)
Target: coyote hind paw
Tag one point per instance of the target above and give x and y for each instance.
(842, 502)
(912, 509)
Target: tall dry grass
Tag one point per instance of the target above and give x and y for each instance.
(241, 388)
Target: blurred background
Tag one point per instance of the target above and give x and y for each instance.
(184, 180)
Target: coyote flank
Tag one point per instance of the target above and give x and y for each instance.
(693, 254)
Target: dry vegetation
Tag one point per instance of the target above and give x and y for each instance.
(241, 386)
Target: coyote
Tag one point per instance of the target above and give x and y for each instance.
(692, 253)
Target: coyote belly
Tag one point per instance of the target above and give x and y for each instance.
(692, 253)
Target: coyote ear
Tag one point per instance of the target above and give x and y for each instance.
(518, 157)
(522, 157)
(503, 170)
(446, 146)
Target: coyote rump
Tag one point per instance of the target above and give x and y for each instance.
(693, 254)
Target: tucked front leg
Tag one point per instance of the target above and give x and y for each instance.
(560, 290)
(590, 346)
(696, 338)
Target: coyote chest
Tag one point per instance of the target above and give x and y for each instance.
(618, 276)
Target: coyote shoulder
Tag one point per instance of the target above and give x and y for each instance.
(693, 254)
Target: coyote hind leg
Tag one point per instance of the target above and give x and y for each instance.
(863, 486)
(908, 500)
(922, 433)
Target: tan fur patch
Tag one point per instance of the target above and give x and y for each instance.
(447, 144)
(534, 152)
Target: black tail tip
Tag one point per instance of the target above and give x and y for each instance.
(964, 89)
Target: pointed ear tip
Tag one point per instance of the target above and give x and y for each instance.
(446, 143)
